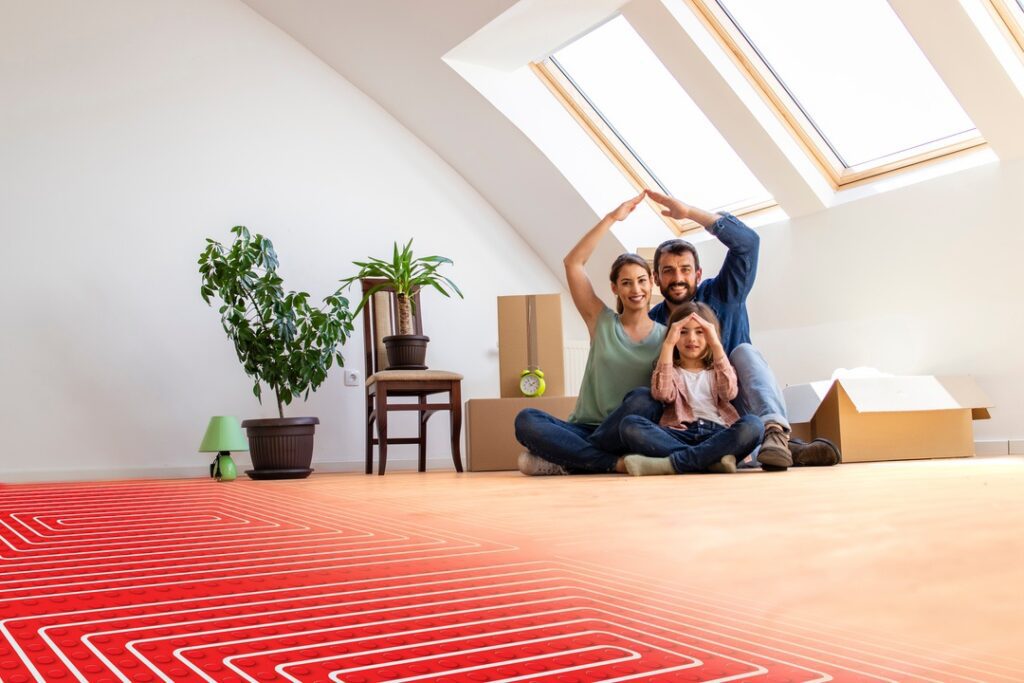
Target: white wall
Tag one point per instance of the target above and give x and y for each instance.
(131, 131)
(920, 280)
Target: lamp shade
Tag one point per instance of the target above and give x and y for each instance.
(223, 434)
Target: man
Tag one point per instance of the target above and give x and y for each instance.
(677, 274)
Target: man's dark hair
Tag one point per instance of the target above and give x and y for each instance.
(677, 247)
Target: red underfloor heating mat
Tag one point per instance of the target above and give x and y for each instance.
(189, 581)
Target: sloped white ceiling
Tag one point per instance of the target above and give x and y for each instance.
(392, 50)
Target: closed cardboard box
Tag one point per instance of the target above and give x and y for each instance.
(491, 436)
(891, 418)
(530, 322)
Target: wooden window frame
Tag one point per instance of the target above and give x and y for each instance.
(619, 154)
(789, 112)
(1010, 21)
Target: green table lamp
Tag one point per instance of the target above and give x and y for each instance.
(223, 435)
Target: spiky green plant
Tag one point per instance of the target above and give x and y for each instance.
(404, 273)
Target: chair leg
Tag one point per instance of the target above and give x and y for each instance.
(369, 434)
(382, 427)
(422, 436)
(455, 396)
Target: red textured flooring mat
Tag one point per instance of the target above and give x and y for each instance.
(193, 581)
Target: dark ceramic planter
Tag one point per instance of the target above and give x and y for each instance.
(406, 351)
(281, 448)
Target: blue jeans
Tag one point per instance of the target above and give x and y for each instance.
(583, 448)
(702, 444)
(759, 393)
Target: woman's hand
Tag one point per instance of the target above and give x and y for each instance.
(587, 302)
(626, 208)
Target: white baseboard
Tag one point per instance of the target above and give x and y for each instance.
(991, 448)
(1016, 447)
(119, 474)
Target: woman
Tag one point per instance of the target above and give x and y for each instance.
(623, 347)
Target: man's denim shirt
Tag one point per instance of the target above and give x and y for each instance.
(726, 293)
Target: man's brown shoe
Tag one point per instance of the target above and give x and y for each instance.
(817, 453)
(774, 454)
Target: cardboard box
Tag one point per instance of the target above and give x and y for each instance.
(490, 425)
(890, 418)
(515, 333)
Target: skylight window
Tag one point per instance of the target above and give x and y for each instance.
(858, 76)
(848, 80)
(674, 146)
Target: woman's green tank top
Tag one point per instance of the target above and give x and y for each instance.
(615, 365)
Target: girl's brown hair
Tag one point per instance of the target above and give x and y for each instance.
(619, 263)
(703, 310)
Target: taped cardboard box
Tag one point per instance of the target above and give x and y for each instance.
(491, 435)
(890, 418)
(530, 334)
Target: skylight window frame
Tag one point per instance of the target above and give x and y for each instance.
(787, 109)
(618, 151)
(1009, 14)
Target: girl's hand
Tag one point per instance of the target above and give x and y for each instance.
(675, 330)
(626, 208)
(710, 333)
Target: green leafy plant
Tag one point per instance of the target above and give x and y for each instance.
(404, 274)
(280, 339)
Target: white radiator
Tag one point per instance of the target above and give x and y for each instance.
(575, 363)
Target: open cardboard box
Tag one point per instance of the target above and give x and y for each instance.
(890, 418)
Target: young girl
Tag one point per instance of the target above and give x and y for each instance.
(699, 430)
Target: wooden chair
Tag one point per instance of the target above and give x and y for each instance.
(379, 321)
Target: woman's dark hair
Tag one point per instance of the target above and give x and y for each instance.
(619, 263)
(703, 310)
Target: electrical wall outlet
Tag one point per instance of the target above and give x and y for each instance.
(351, 378)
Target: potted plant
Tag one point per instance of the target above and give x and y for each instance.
(404, 274)
(281, 341)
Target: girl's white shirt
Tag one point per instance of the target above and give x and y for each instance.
(698, 394)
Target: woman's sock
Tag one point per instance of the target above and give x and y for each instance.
(641, 465)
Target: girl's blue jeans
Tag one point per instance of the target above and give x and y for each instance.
(702, 444)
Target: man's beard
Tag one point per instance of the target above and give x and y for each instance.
(687, 294)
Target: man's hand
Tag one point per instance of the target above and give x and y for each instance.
(626, 208)
(673, 207)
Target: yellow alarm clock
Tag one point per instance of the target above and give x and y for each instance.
(531, 382)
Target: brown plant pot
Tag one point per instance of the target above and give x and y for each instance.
(406, 351)
(281, 448)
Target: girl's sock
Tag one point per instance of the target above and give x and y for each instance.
(641, 465)
(727, 465)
